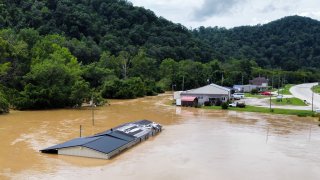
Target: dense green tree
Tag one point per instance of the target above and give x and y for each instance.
(4, 68)
(96, 75)
(53, 82)
(14, 54)
(30, 36)
(289, 43)
(56, 53)
(4, 104)
(124, 89)
(143, 66)
(214, 71)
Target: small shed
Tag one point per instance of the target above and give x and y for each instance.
(189, 101)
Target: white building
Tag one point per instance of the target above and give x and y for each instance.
(211, 93)
(244, 88)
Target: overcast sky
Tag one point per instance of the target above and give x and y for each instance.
(229, 13)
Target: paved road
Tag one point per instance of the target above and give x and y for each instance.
(303, 92)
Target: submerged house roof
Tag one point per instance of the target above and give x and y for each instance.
(103, 142)
(109, 142)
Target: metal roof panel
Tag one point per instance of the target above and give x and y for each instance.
(122, 135)
(106, 144)
(72, 143)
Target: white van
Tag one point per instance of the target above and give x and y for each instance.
(238, 95)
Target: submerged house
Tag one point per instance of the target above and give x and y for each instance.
(107, 144)
(211, 93)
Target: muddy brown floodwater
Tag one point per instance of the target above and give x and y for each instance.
(195, 144)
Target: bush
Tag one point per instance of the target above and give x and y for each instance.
(124, 89)
(4, 104)
(254, 91)
(218, 103)
(224, 105)
(98, 99)
(159, 89)
(302, 115)
(241, 105)
(207, 103)
(152, 88)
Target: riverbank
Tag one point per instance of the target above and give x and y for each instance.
(264, 109)
(300, 113)
(289, 102)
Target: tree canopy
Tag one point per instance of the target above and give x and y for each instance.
(59, 53)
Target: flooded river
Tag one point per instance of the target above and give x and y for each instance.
(195, 144)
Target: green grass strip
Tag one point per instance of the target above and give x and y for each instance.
(301, 113)
(289, 101)
(255, 96)
(285, 90)
(316, 89)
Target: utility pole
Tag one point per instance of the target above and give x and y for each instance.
(183, 83)
(80, 130)
(242, 78)
(279, 81)
(312, 97)
(222, 79)
(283, 81)
(272, 81)
(270, 101)
(173, 90)
(92, 109)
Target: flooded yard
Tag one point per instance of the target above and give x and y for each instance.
(195, 144)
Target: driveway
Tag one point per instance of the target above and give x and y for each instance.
(304, 92)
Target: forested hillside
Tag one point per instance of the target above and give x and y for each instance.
(59, 53)
(290, 43)
(99, 25)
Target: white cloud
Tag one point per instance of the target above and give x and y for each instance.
(211, 8)
(229, 13)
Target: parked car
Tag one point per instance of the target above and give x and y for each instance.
(238, 95)
(237, 104)
(234, 104)
(266, 93)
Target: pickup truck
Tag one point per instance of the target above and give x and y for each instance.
(237, 104)
(234, 104)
